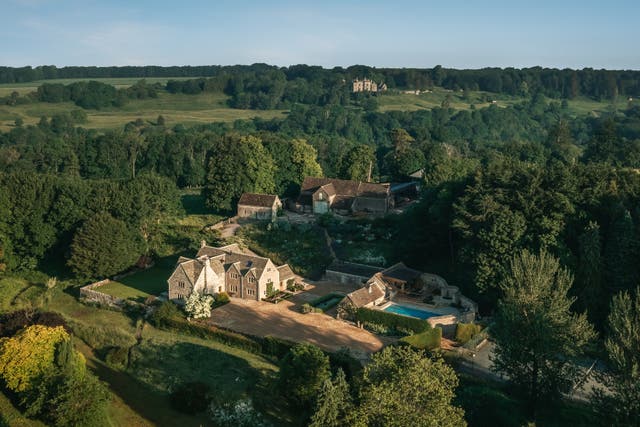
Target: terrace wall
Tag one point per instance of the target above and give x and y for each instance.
(89, 293)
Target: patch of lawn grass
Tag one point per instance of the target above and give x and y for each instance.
(161, 361)
(144, 283)
(10, 416)
(10, 288)
(165, 359)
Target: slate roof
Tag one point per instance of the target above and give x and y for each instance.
(353, 268)
(401, 272)
(373, 290)
(285, 272)
(231, 254)
(192, 269)
(260, 200)
(344, 187)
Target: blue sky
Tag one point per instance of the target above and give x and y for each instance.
(453, 33)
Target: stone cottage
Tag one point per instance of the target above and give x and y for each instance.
(259, 206)
(226, 269)
(321, 195)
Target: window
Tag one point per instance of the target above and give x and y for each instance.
(181, 285)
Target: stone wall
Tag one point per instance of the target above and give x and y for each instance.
(89, 293)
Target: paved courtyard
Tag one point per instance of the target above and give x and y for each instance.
(284, 320)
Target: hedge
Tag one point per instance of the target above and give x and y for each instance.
(392, 321)
(427, 340)
(466, 331)
(226, 337)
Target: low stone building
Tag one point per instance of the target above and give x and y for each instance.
(226, 269)
(259, 206)
(321, 195)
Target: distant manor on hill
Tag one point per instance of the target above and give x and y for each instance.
(366, 85)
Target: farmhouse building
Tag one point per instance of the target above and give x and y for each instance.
(407, 284)
(259, 206)
(226, 269)
(321, 195)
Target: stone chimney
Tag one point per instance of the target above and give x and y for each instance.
(203, 243)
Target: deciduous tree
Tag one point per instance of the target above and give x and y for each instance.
(404, 387)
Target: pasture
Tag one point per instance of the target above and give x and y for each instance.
(175, 108)
(212, 107)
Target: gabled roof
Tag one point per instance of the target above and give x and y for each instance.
(372, 291)
(192, 269)
(401, 272)
(232, 255)
(345, 188)
(260, 200)
(285, 272)
(329, 189)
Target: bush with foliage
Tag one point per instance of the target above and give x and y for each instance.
(10, 323)
(237, 414)
(40, 365)
(466, 331)
(198, 306)
(427, 340)
(392, 321)
(191, 397)
(302, 372)
(308, 308)
(117, 357)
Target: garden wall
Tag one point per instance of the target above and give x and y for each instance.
(89, 293)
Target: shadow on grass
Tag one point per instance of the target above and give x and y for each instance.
(157, 368)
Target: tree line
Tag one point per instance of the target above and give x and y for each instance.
(556, 83)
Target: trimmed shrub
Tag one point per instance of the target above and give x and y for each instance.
(191, 397)
(392, 321)
(466, 331)
(232, 339)
(308, 308)
(162, 315)
(222, 298)
(427, 340)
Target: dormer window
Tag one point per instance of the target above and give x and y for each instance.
(320, 196)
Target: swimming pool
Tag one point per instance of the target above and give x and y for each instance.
(409, 311)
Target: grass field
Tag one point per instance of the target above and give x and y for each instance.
(211, 107)
(175, 108)
(457, 101)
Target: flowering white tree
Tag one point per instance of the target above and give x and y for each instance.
(198, 306)
(237, 414)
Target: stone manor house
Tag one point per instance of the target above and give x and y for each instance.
(227, 269)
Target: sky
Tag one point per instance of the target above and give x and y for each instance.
(392, 33)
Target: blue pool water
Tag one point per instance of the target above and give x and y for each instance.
(410, 311)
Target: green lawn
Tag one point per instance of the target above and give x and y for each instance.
(11, 417)
(145, 283)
